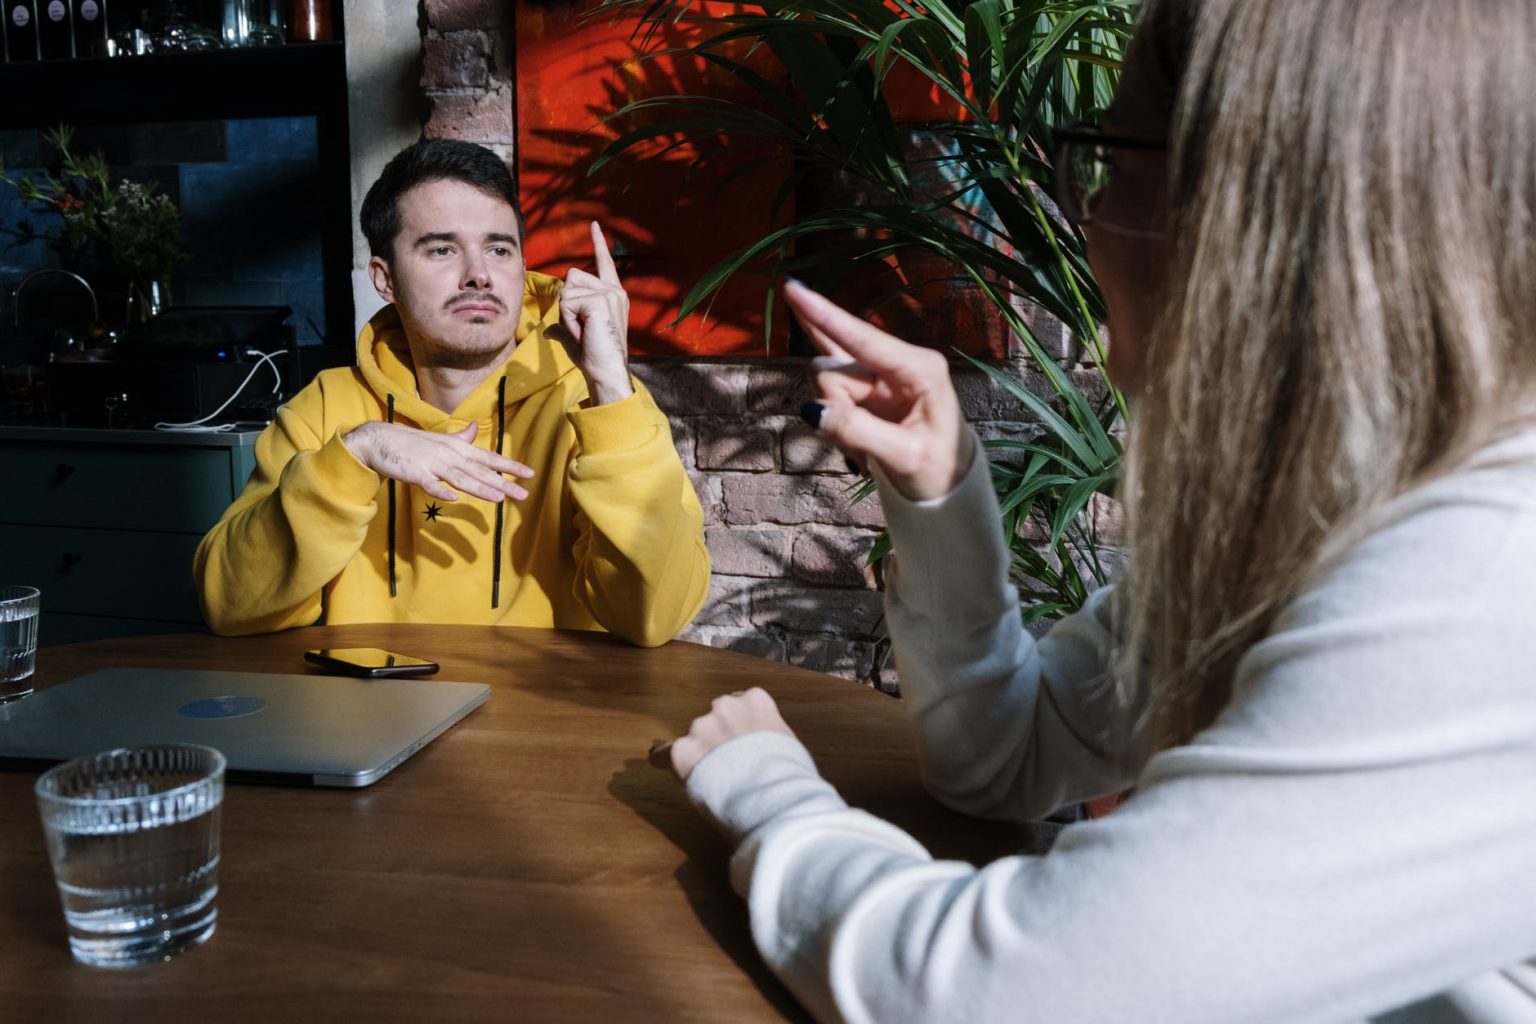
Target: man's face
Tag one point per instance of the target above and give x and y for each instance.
(456, 276)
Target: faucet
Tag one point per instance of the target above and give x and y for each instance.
(16, 295)
(16, 292)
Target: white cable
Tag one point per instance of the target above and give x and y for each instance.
(197, 425)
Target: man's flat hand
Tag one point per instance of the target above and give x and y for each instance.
(443, 465)
(594, 325)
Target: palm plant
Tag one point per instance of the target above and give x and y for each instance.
(821, 74)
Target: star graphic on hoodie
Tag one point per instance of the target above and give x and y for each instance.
(431, 511)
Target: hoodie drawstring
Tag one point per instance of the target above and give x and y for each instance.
(390, 401)
(501, 433)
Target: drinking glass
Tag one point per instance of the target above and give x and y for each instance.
(18, 640)
(133, 835)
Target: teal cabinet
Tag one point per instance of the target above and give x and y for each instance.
(105, 523)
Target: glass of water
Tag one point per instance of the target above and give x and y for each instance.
(134, 839)
(18, 640)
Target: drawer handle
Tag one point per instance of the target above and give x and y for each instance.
(61, 472)
(68, 562)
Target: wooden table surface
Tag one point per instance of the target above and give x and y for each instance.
(528, 865)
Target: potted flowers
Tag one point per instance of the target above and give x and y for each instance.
(139, 228)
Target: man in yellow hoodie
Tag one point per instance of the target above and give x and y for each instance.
(490, 459)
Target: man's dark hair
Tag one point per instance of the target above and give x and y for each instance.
(431, 160)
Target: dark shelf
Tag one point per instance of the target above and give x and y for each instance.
(281, 81)
(301, 80)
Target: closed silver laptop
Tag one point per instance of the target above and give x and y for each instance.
(298, 729)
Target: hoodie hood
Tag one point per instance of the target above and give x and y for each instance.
(384, 358)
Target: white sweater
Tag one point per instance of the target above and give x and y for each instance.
(1355, 835)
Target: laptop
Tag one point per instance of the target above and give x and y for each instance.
(306, 730)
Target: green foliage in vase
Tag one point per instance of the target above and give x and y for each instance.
(820, 76)
(139, 228)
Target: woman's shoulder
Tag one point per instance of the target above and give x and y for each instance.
(1469, 531)
(1425, 615)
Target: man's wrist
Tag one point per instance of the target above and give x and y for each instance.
(358, 442)
(606, 392)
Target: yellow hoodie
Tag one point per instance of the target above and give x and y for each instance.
(609, 537)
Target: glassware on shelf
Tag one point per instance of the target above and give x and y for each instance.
(250, 23)
(131, 38)
(172, 30)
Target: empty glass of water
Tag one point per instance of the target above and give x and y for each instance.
(134, 839)
(18, 640)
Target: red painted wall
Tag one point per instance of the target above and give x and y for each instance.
(660, 210)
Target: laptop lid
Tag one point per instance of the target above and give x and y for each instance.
(298, 729)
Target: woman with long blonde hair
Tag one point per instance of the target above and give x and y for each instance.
(1312, 220)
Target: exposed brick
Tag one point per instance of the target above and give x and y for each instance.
(1091, 383)
(729, 602)
(851, 659)
(752, 498)
(1050, 333)
(1108, 519)
(805, 451)
(761, 643)
(832, 557)
(682, 440)
(458, 60)
(748, 551)
(457, 15)
(684, 388)
(778, 387)
(982, 398)
(474, 117)
(993, 430)
(794, 606)
(708, 488)
(504, 57)
(722, 443)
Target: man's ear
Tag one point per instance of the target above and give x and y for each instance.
(383, 281)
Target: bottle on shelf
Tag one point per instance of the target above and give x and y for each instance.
(309, 21)
(90, 18)
(21, 30)
(55, 32)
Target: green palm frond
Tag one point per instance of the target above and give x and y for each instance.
(818, 74)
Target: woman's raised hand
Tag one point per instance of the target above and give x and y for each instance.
(882, 400)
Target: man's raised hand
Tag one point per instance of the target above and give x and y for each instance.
(443, 465)
(594, 322)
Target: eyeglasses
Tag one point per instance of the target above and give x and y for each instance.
(1084, 166)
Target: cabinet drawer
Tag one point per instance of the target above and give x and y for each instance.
(104, 572)
(166, 489)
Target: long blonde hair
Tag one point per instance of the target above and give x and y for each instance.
(1351, 192)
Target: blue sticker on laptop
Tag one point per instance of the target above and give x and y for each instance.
(222, 707)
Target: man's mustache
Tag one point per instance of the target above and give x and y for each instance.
(476, 298)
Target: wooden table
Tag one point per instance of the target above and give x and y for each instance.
(528, 865)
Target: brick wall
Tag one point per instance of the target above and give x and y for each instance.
(789, 544)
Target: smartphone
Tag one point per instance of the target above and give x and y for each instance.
(370, 662)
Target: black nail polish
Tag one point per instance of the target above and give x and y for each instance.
(813, 413)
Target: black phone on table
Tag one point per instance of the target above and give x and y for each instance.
(370, 662)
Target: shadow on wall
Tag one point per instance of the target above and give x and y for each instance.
(787, 541)
(673, 209)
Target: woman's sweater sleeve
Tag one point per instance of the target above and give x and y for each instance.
(1353, 834)
(1006, 727)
